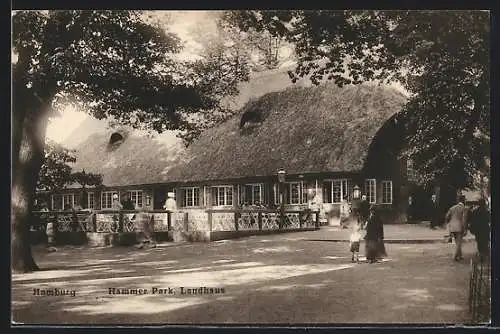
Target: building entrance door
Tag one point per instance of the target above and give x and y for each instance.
(160, 196)
(420, 206)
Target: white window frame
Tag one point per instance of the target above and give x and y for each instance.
(369, 183)
(72, 195)
(290, 185)
(52, 202)
(89, 194)
(193, 197)
(342, 181)
(252, 200)
(104, 193)
(137, 192)
(225, 197)
(63, 206)
(276, 194)
(384, 184)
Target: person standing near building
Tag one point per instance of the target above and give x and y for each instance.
(313, 205)
(51, 233)
(364, 211)
(344, 214)
(116, 206)
(372, 236)
(434, 214)
(170, 206)
(456, 219)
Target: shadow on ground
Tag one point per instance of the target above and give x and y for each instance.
(257, 280)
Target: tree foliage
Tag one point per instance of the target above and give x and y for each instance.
(55, 172)
(86, 179)
(114, 64)
(440, 57)
(110, 63)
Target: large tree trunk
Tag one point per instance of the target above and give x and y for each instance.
(28, 141)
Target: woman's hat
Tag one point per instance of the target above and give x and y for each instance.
(171, 194)
(115, 196)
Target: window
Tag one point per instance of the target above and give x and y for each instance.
(222, 195)
(136, 198)
(68, 201)
(410, 170)
(107, 199)
(56, 202)
(90, 200)
(252, 194)
(336, 190)
(370, 190)
(276, 194)
(294, 193)
(63, 202)
(387, 192)
(190, 197)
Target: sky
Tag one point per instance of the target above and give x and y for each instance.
(182, 21)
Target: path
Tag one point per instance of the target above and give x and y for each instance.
(278, 279)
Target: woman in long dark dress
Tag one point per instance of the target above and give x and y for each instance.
(381, 252)
(372, 237)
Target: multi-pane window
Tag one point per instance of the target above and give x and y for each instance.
(222, 195)
(252, 194)
(56, 202)
(276, 194)
(190, 197)
(63, 202)
(295, 193)
(371, 190)
(136, 198)
(90, 200)
(386, 192)
(68, 201)
(107, 199)
(410, 170)
(336, 190)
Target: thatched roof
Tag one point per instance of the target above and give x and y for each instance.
(140, 159)
(304, 130)
(301, 129)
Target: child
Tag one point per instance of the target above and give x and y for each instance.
(355, 241)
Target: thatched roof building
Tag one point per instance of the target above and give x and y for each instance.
(303, 129)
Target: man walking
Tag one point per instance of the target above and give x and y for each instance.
(456, 218)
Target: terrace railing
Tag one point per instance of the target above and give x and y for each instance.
(260, 219)
(106, 221)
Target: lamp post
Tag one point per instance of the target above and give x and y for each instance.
(281, 180)
(356, 194)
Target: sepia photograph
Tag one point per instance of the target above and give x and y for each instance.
(250, 167)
